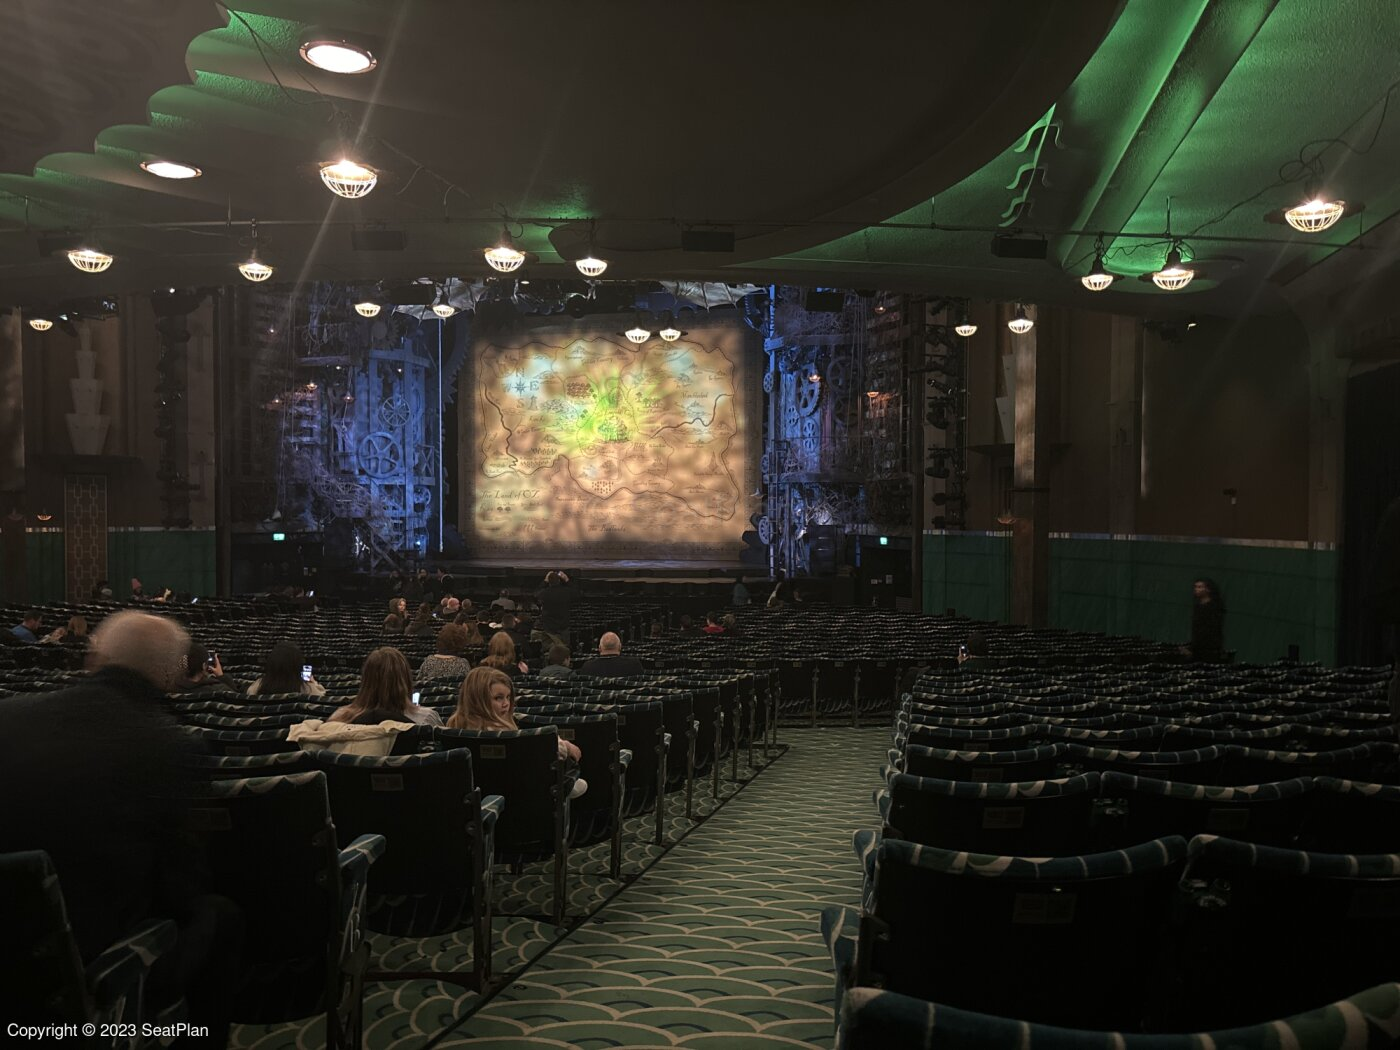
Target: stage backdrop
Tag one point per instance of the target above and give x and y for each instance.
(587, 447)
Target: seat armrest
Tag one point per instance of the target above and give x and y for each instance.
(666, 739)
(492, 806)
(624, 757)
(115, 975)
(356, 858)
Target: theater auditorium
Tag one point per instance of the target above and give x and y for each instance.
(571, 526)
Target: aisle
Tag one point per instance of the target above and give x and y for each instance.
(719, 944)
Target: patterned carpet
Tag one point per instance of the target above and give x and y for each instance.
(715, 944)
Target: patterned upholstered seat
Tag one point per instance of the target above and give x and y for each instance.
(1015, 936)
(604, 765)
(874, 1020)
(1004, 738)
(1149, 808)
(1177, 736)
(236, 767)
(42, 978)
(1034, 763)
(1305, 927)
(1199, 766)
(272, 850)
(1141, 738)
(1250, 765)
(1033, 818)
(436, 876)
(523, 767)
(1352, 816)
(237, 742)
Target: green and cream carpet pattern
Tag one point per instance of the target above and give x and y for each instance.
(715, 944)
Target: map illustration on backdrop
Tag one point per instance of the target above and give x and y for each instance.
(590, 445)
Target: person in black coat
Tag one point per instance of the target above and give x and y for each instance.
(98, 776)
(1207, 623)
(610, 663)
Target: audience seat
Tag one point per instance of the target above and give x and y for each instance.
(1147, 808)
(1351, 816)
(1033, 763)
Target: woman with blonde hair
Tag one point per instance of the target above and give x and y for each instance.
(487, 702)
(500, 654)
(448, 661)
(386, 693)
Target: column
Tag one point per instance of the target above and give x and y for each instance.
(1035, 408)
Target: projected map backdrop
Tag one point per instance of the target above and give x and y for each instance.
(589, 446)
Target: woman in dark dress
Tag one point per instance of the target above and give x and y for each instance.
(1207, 623)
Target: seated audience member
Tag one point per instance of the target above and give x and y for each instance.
(656, 631)
(741, 593)
(504, 601)
(687, 625)
(468, 622)
(449, 608)
(137, 591)
(779, 598)
(500, 654)
(282, 673)
(97, 775)
(975, 649)
(386, 693)
(712, 625)
(398, 606)
(511, 626)
(27, 627)
(448, 661)
(101, 591)
(74, 635)
(730, 624)
(487, 703)
(559, 666)
(423, 623)
(610, 663)
(393, 624)
(204, 673)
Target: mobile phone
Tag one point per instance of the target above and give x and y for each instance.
(306, 672)
(417, 696)
(962, 651)
(213, 657)
(194, 600)
(311, 594)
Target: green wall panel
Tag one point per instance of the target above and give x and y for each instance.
(968, 572)
(182, 560)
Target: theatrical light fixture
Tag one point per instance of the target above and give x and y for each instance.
(334, 53)
(670, 335)
(1098, 278)
(965, 327)
(637, 335)
(872, 394)
(90, 260)
(504, 256)
(1020, 324)
(40, 324)
(169, 169)
(590, 266)
(255, 270)
(346, 178)
(367, 309)
(444, 310)
(44, 515)
(1315, 216)
(1173, 276)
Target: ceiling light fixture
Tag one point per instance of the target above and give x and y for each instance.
(1020, 324)
(1098, 278)
(334, 53)
(872, 394)
(1315, 215)
(255, 269)
(170, 169)
(1173, 276)
(40, 324)
(504, 256)
(367, 309)
(90, 260)
(965, 327)
(590, 265)
(444, 310)
(638, 335)
(347, 178)
(670, 334)
(815, 377)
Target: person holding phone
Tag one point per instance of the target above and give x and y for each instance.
(204, 673)
(285, 670)
(386, 693)
(974, 649)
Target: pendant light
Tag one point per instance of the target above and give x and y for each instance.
(670, 334)
(442, 307)
(637, 334)
(1173, 276)
(1315, 215)
(40, 324)
(255, 269)
(1098, 278)
(90, 260)
(965, 327)
(504, 256)
(1020, 324)
(348, 178)
(367, 308)
(590, 265)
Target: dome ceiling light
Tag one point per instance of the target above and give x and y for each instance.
(336, 52)
(170, 169)
(1315, 215)
(90, 260)
(348, 178)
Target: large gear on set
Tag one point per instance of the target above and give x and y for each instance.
(380, 455)
(765, 530)
(838, 375)
(807, 395)
(394, 411)
(767, 382)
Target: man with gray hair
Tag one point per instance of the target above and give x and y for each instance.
(98, 776)
(610, 663)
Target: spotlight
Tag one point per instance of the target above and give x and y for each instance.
(335, 53)
(590, 266)
(637, 335)
(90, 260)
(1020, 324)
(40, 324)
(1173, 276)
(346, 178)
(170, 169)
(1315, 215)
(367, 309)
(504, 257)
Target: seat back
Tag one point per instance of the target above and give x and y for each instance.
(1307, 927)
(1149, 808)
(591, 816)
(1039, 818)
(945, 921)
(272, 851)
(523, 766)
(41, 974)
(236, 742)
(237, 767)
(1034, 763)
(1350, 816)
(1009, 738)
(1200, 766)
